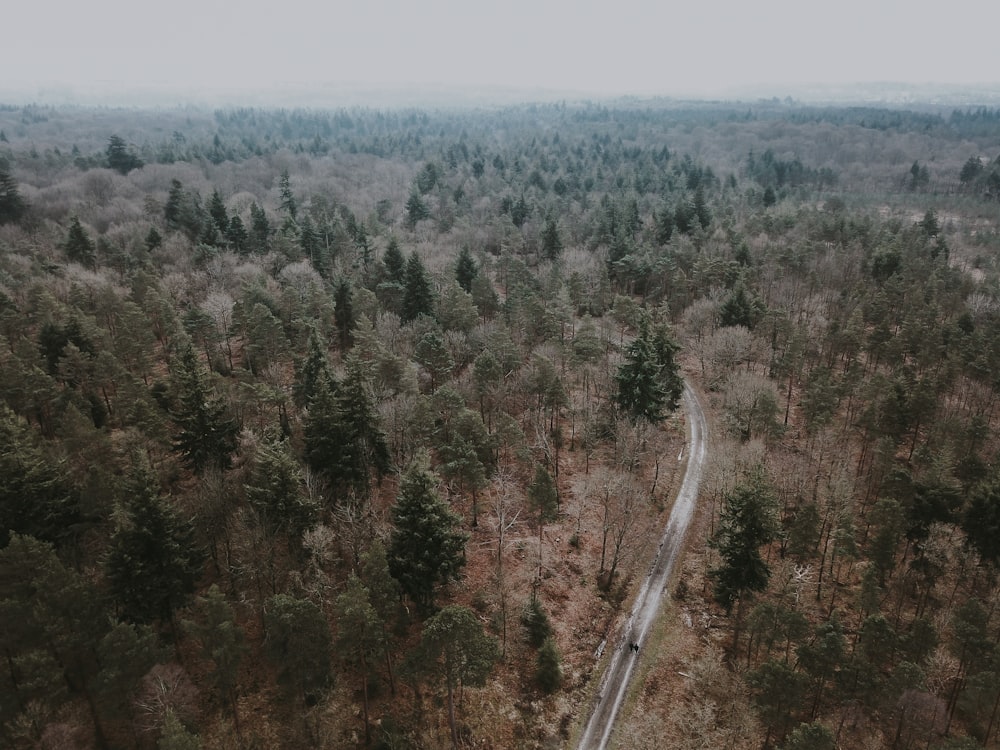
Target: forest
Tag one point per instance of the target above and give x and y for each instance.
(358, 428)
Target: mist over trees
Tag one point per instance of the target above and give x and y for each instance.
(358, 428)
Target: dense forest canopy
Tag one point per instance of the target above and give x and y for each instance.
(357, 428)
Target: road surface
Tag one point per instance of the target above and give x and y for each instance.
(614, 684)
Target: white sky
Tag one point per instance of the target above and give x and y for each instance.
(612, 47)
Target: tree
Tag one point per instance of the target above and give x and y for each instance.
(362, 635)
(981, 522)
(12, 206)
(416, 210)
(287, 203)
(120, 158)
(746, 524)
(222, 641)
(418, 299)
(36, 497)
(432, 354)
(548, 671)
(298, 642)
(344, 314)
(551, 243)
(425, 549)
(454, 649)
(275, 490)
(465, 269)
(394, 262)
(153, 562)
(207, 435)
(79, 247)
(641, 390)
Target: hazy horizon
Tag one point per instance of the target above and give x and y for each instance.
(719, 48)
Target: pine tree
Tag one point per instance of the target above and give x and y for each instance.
(120, 158)
(260, 229)
(454, 649)
(426, 549)
(222, 641)
(79, 247)
(344, 313)
(361, 640)
(747, 523)
(418, 299)
(275, 490)
(299, 644)
(312, 370)
(416, 210)
(207, 435)
(36, 497)
(548, 671)
(394, 262)
(551, 243)
(12, 206)
(153, 562)
(641, 391)
(465, 269)
(287, 205)
(217, 212)
(237, 236)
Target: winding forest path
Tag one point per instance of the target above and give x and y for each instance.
(615, 682)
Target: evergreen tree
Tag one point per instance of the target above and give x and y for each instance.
(260, 229)
(344, 313)
(312, 370)
(153, 239)
(299, 644)
(465, 269)
(153, 562)
(287, 202)
(275, 490)
(217, 212)
(432, 354)
(548, 671)
(79, 247)
(237, 236)
(361, 640)
(222, 641)
(418, 299)
(36, 497)
(207, 434)
(416, 210)
(394, 262)
(12, 206)
(120, 158)
(454, 649)
(981, 521)
(551, 243)
(641, 391)
(426, 549)
(746, 524)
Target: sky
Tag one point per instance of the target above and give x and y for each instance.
(625, 47)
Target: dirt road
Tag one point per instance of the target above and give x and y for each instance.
(615, 682)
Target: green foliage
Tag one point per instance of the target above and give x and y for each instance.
(222, 639)
(298, 643)
(810, 737)
(649, 380)
(746, 524)
(981, 521)
(466, 269)
(36, 497)
(153, 562)
(536, 623)
(551, 242)
(13, 207)
(79, 247)
(344, 311)
(425, 549)
(120, 157)
(207, 434)
(275, 489)
(418, 299)
(548, 671)
(543, 495)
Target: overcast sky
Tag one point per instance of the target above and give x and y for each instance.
(619, 47)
